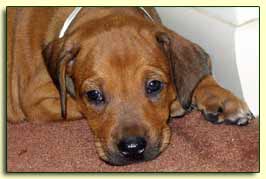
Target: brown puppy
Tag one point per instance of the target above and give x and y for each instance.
(121, 70)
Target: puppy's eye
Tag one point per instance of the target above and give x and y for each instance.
(95, 96)
(154, 87)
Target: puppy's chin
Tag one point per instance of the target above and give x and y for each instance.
(116, 158)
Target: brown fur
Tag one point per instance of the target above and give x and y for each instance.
(116, 50)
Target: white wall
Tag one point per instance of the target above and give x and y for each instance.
(247, 55)
(235, 16)
(222, 32)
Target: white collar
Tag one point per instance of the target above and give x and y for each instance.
(75, 12)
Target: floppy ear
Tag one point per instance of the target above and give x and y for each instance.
(59, 57)
(189, 63)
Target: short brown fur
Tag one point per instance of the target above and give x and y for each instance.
(117, 51)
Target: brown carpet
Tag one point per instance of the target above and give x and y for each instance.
(196, 146)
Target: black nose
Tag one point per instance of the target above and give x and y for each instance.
(132, 147)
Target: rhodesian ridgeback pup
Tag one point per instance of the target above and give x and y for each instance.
(120, 68)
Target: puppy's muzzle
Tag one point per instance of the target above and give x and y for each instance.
(132, 147)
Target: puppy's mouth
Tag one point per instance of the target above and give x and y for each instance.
(125, 156)
(118, 158)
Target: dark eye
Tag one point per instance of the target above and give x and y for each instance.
(154, 87)
(95, 96)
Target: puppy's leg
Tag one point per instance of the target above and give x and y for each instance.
(44, 105)
(219, 105)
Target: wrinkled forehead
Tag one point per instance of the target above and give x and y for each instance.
(121, 52)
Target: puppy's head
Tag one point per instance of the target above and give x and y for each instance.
(127, 83)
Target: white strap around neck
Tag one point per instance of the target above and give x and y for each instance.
(75, 12)
(68, 21)
(146, 13)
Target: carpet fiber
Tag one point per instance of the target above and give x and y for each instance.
(196, 146)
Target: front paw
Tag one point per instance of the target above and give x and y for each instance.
(239, 119)
(227, 109)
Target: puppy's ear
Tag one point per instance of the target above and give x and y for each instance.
(59, 58)
(189, 63)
